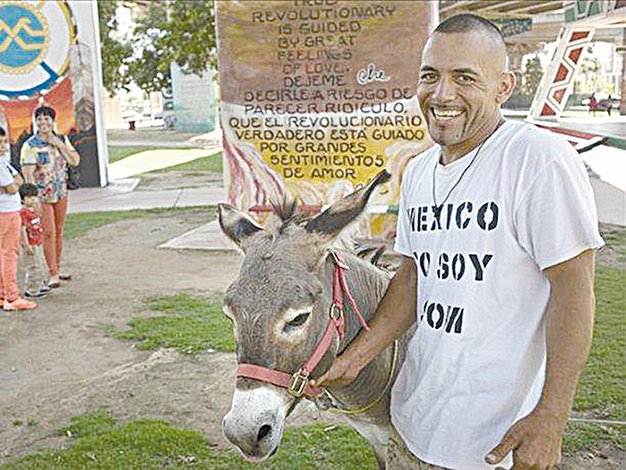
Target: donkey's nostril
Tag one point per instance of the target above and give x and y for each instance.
(264, 431)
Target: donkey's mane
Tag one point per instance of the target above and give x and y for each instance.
(288, 213)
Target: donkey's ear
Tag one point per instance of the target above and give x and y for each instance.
(344, 211)
(236, 225)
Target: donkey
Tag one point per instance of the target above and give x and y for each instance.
(280, 306)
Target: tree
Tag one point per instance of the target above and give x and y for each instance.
(116, 52)
(166, 32)
(533, 72)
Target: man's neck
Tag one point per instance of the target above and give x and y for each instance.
(451, 153)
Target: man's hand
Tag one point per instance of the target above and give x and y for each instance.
(396, 314)
(342, 372)
(535, 441)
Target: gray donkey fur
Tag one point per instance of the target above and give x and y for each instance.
(287, 268)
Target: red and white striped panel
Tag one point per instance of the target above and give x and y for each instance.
(557, 82)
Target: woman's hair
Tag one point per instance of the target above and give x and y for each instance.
(28, 189)
(2, 132)
(45, 111)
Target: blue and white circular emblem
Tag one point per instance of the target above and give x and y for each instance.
(35, 40)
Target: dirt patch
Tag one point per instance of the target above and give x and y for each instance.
(57, 362)
(613, 254)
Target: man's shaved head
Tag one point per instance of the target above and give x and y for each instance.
(466, 23)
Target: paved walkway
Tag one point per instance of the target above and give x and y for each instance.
(163, 138)
(151, 160)
(113, 198)
(614, 126)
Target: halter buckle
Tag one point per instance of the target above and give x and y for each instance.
(298, 384)
(336, 312)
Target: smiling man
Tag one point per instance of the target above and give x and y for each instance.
(497, 227)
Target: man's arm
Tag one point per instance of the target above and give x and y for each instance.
(396, 314)
(536, 439)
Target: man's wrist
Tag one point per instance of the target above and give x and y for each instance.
(552, 412)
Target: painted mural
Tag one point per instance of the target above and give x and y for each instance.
(318, 97)
(48, 54)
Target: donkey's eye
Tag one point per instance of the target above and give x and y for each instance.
(296, 322)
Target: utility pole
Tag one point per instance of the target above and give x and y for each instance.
(622, 50)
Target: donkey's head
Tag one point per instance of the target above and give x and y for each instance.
(279, 306)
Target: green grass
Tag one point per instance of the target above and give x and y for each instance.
(190, 324)
(603, 382)
(117, 153)
(81, 223)
(586, 436)
(99, 442)
(210, 164)
(602, 386)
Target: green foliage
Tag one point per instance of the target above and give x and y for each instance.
(533, 72)
(166, 32)
(190, 324)
(116, 52)
(78, 224)
(156, 444)
(117, 153)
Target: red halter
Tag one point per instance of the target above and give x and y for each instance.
(298, 383)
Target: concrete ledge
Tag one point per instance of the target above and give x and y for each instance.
(205, 237)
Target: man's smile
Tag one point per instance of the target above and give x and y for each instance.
(444, 115)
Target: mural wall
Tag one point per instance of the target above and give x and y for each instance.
(318, 97)
(49, 54)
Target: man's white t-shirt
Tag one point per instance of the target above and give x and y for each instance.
(477, 361)
(8, 202)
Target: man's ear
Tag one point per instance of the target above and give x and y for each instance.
(341, 213)
(236, 225)
(505, 87)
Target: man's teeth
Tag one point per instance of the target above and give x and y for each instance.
(446, 114)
